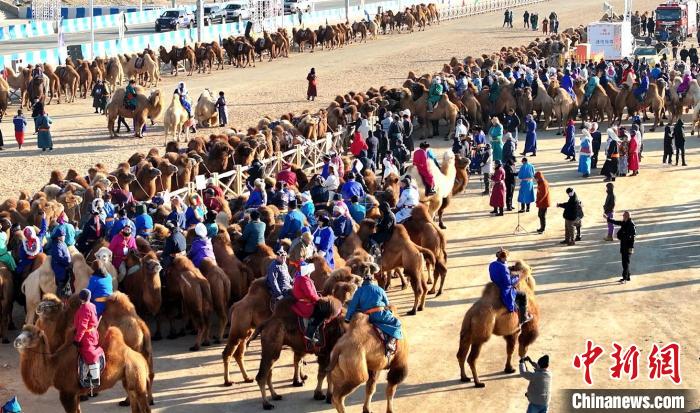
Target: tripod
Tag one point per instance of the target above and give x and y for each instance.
(519, 229)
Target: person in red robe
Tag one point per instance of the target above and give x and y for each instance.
(287, 175)
(86, 336)
(358, 144)
(420, 161)
(633, 155)
(498, 192)
(311, 90)
(304, 291)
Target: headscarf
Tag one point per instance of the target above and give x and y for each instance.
(200, 230)
(62, 218)
(31, 244)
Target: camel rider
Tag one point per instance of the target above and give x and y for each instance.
(567, 84)
(373, 301)
(201, 246)
(494, 88)
(306, 305)
(324, 238)
(462, 84)
(278, 281)
(521, 82)
(409, 198)
(120, 246)
(175, 245)
(86, 339)
(181, 90)
(5, 255)
(31, 248)
(60, 263)
(641, 90)
(342, 225)
(383, 232)
(100, 286)
(38, 72)
(293, 221)
(685, 84)
(130, 95)
(93, 229)
(420, 161)
(512, 299)
(627, 74)
(435, 93)
(590, 88)
(476, 80)
(301, 250)
(352, 187)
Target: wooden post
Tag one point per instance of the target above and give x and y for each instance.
(298, 156)
(191, 188)
(280, 159)
(238, 181)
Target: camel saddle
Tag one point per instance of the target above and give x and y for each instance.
(139, 62)
(310, 346)
(385, 338)
(89, 374)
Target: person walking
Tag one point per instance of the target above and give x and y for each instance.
(545, 26)
(99, 92)
(573, 212)
(668, 145)
(222, 110)
(526, 194)
(511, 123)
(679, 141)
(487, 167)
(496, 135)
(538, 394)
(526, 20)
(633, 153)
(37, 111)
(626, 235)
(311, 91)
(498, 195)
(44, 140)
(530, 136)
(609, 208)
(542, 202)
(506, 16)
(569, 148)
(20, 124)
(612, 155)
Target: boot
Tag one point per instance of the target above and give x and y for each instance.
(430, 191)
(390, 346)
(608, 238)
(311, 333)
(523, 315)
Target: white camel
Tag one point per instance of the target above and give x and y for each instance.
(175, 119)
(444, 178)
(205, 111)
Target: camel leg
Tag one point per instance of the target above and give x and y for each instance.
(69, 402)
(473, 356)
(510, 347)
(238, 356)
(464, 345)
(271, 349)
(424, 292)
(226, 356)
(298, 380)
(342, 390)
(417, 292)
(370, 388)
(441, 210)
(390, 392)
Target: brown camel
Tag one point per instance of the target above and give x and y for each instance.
(597, 106)
(146, 176)
(176, 55)
(220, 286)
(19, 81)
(564, 105)
(423, 232)
(359, 357)
(148, 68)
(6, 301)
(543, 104)
(55, 315)
(652, 100)
(416, 100)
(146, 107)
(282, 329)
(188, 289)
(69, 81)
(54, 82)
(239, 275)
(41, 369)
(143, 286)
(4, 97)
(246, 314)
(401, 253)
(489, 316)
(503, 103)
(85, 81)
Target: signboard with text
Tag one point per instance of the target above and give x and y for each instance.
(613, 40)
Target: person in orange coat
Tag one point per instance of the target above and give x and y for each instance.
(542, 200)
(86, 336)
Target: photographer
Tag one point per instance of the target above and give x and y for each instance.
(540, 380)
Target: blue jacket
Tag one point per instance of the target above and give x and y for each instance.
(174, 244)
(20, 123)
(253, 235)
(70, 233)
(369, 296)
(357, 212)
(191, 219)
(278, 281)
(308, 209)
(324, 240)
(293, 222)
(143, 223)
(342, 226)
(100, 287)
(500, 275)
(256, 199)
(351, 188)
(60, 261)
(178, 218)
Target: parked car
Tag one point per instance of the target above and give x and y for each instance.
(237, 11)
(650, 54)
(293, 6)
(175, 19)
(214, 14)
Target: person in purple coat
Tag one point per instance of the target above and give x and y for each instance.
(201, 246)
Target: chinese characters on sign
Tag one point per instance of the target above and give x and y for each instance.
(663, 362)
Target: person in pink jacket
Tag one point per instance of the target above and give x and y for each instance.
(86, 336)
(420, 161)
(120, 246)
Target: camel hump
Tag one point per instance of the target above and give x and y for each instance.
(601, 90)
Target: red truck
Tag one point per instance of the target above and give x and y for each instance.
(677, 18)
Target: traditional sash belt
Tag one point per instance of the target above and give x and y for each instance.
(101, 299)
(374, 310)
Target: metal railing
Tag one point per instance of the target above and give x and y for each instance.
(448, 11)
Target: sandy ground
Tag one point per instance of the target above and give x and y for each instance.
(577, 291)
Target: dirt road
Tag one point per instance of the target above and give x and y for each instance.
(577, 290)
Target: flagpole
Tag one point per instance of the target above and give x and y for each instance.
(92, 30)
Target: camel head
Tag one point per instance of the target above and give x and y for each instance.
(525, 272)
(104, 255)
(30, 337)
(49, 307)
